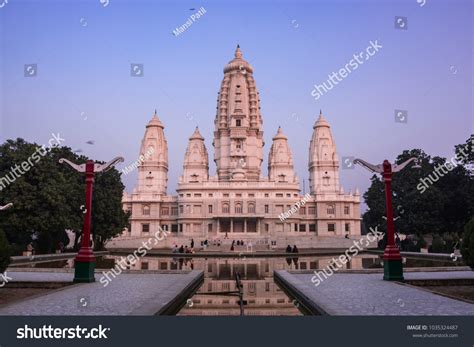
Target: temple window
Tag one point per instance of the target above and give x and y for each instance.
(331, 209)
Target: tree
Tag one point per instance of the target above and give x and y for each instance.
(444, 206)
(108, 218)
(467, 245)
(49, 196)
(375, 200)
(465, 152)
(4, 252)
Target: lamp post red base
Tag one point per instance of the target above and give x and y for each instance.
(84, 266)
(392, 264)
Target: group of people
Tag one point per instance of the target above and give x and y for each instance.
(238, 243)
(291, 250)
(206, 243)
(183, 249)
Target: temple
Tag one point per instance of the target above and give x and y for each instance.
(239, 202)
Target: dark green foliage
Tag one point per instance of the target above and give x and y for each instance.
(4, 252)
(47, 199)
(421, 242)
(410, 244)
(467, 245)
(438, 245)
(444, 207)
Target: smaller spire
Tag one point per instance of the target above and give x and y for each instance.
(155, 121)
(279, 134)
(320, 121)
(196, 134)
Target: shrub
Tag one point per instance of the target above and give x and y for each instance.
(4, 252)
(410, 244)
(421, 242)
(438, 245)
(467, 245)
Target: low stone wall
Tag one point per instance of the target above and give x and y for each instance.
(419, 255)
(47, 257)
(258, 244)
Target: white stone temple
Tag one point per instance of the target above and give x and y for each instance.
(238, 202)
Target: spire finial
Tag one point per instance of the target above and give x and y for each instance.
(196, 134)
(238, 53)
(321, 117)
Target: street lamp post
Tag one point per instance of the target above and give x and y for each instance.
(7, 206)
(85, 261)
(392, 260)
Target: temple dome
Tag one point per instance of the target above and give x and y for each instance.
(238, 63)
(280, 135)
(196, 135)
(321, 121)
(155, 122)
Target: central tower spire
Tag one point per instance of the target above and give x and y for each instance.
(238, 135)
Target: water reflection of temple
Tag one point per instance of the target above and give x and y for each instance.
(262, 294)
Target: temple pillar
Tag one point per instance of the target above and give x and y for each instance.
(231, 225)
(245, 225)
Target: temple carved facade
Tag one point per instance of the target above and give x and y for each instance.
(239, 202)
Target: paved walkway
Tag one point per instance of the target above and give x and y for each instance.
(127, 294)
(368, 294)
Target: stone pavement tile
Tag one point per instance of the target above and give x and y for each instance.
(30, 276)
(369, 294)
(127, 294)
